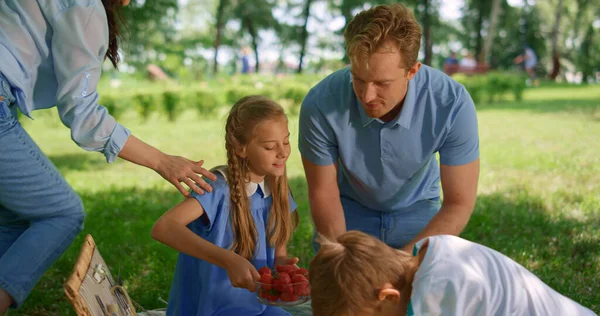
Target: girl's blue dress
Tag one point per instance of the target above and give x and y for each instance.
(200, 288)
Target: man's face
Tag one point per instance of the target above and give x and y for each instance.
(384, 84)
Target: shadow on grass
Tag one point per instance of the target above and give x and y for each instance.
(78, 162)
(587, 107)
(564, 253)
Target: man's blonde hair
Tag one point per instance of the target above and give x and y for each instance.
(347, 275)
(371, 29)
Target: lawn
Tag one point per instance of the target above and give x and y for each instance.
(538, 200)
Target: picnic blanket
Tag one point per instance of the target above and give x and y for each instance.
(298, 310)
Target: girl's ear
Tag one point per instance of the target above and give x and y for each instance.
(388, 293)
(241, 151)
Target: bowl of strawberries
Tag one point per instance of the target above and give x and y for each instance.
(286, 285)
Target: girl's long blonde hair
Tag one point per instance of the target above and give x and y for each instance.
(241, 124)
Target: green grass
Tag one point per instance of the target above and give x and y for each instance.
(538, 196)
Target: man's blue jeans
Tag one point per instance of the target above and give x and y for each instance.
(40, 214)
(396, 229)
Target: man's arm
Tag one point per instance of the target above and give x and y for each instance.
(459, 186)
(324, 199)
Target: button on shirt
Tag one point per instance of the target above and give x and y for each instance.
(52, 52)
(389, 166)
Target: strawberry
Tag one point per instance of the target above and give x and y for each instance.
(272, 297)
(285, 278)
(266, 280)
(299, 278)
(264, 270)
(302, 271)
(286, 268)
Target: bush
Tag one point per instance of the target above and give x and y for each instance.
(234, 94)
(295, 93)
(171, 103)
(207, 102)
(493, 86)
(145, 104)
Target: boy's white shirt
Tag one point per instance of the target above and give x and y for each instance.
(458, 277)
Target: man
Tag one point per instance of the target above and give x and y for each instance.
(369, 135)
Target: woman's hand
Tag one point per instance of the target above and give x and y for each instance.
(176, 170)
(242, 273)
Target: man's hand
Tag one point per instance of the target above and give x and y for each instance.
(459, 186)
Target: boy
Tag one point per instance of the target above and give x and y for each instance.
(360, 275)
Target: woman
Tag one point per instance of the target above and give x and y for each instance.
(51, 53)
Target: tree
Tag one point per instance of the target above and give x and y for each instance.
(149, 28)
(304, 34)
(348, 8)
(254, 16)
(487, 48)
(220, 23)
(427, 32)
(555, 30)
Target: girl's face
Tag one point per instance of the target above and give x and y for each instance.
(268, 150)
(125, 3)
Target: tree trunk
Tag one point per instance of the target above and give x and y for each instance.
(555, 54)
(219, 27)
(427, 33)
(479, 26)
(254, 35)
(304, 35)
(487, 48)
(347, 13)
(586, 47)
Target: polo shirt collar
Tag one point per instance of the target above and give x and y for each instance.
(405, 117)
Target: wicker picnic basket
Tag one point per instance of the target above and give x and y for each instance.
(91, 288)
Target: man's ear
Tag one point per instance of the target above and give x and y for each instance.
(388, 293)
(413, 70)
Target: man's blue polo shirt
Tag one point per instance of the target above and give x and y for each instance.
(389, 166)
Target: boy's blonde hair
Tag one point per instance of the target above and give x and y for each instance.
(371, 29)
(347, 275)
(241, 124)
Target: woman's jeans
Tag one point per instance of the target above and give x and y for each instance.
(40, 214)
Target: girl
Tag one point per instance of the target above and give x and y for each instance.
(243, 224)
(51, 53)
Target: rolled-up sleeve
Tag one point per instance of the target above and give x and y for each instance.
(462, 143)
(79, 44)
(316, 139)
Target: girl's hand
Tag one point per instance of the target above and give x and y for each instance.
(176, 170)
(283, 261)
(242, 273)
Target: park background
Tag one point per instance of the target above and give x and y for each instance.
(185, 62)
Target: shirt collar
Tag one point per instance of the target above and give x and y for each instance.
(251, 187)
(405, 116)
